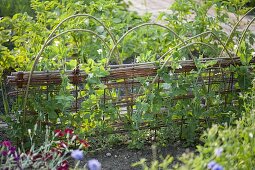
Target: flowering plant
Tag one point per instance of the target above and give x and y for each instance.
(9, 154)
(53, 154)
(67, 138)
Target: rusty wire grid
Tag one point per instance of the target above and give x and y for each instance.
(125, 80)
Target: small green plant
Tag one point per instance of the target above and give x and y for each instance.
(155, 165)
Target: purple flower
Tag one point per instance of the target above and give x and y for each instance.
(4, 153)
(94, 164)
(218, 151)
(217, 167)
(6, 143)
(12, 149)
(77, 154)
(214, 166)
(16, 158)
(211, 164)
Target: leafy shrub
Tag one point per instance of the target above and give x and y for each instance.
(232, 147)
(225, 147)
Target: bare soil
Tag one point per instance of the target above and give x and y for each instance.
(122, 158)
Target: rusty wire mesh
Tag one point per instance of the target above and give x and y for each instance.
(125, 80)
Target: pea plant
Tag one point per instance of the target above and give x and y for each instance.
(92, 36)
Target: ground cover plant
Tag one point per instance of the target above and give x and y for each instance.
(91, 36)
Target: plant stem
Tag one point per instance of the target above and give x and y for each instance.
(243, 35)
(139, 26)
(235, 27)
(4, 97)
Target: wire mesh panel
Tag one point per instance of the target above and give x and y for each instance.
(144, 95)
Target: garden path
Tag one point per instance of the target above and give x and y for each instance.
(152, 6)
(157, 6)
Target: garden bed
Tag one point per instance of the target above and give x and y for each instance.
(122, 158)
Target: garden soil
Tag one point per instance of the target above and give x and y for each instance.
(122, 158)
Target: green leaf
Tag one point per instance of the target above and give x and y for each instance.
(244, 78)
(100, 29)
(116, 20)
(53, 116)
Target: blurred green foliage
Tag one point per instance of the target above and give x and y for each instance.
(237, 6)
(11, 7)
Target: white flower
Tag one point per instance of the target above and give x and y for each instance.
(90, 75)
(94, 164)
(253, 53)
(251, 135)
(99, 51)
(57, 43)
(74, 137)
(58, 120)
(235, 47)
(29, 131)
(86, 22)
(179, 66)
